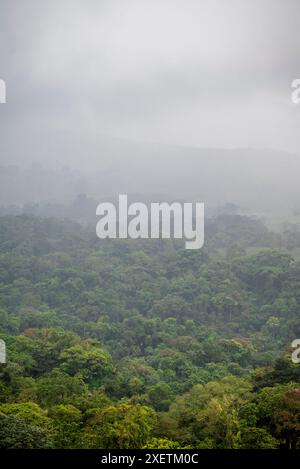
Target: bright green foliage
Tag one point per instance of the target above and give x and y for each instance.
(30, 412)
(66, 423)
(163, 443)
(120, 426)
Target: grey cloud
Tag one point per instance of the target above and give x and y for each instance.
(210, 73)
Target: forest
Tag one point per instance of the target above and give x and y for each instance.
(143, 344)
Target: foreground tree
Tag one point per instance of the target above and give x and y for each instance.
(119, 426)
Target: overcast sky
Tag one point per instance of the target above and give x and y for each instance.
(211, 73)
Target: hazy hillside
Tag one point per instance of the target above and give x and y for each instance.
(60, 166)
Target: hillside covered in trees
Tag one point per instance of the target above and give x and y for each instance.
(142, 344)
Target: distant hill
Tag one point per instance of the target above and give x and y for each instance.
(57, 166)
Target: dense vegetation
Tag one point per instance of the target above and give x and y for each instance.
(142, 344)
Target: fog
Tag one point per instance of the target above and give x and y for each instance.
(187, 98)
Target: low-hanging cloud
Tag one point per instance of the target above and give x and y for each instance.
(209, 73)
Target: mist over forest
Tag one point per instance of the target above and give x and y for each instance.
(142, 343)
(57, 167)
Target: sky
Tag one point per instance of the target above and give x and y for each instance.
(207, 73)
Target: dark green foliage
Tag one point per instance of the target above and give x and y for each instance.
(125, 344)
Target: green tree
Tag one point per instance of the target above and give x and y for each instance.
(120, 426)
